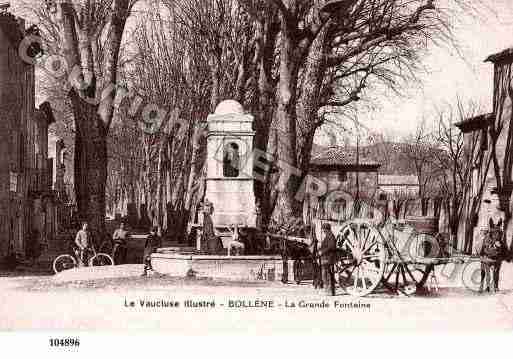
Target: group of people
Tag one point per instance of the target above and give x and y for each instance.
(493, 248)
(212, 244)
(85, 247)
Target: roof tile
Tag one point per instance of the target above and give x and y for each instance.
(341, 156)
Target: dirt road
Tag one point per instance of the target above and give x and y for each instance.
(198, 306)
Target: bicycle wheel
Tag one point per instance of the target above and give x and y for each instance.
(64, 262)
(101, 259)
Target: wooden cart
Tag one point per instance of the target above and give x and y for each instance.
(401, 261)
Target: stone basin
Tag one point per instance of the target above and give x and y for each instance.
(238, 268)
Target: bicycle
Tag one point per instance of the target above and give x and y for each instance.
(69, 261)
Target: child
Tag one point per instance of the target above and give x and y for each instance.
(152, 243)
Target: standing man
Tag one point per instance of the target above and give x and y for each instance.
(327, 252)
(314, 250)
(152, 243)
(82, 241)
(120, 244)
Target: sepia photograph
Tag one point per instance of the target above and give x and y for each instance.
(255, 166)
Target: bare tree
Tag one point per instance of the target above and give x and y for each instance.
(419, 149)
(170, 72)
(287, 59)
(464, 161)
(450, 158)
(88, 35)
(328, 58)
(284, 60)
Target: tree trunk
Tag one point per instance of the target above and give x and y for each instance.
(194, 164)
(309, 101)
(284, 123)
(91, 177)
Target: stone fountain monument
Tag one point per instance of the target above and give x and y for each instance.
(229, 189)
(229, 179)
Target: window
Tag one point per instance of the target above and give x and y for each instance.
(342, 176)
(231, 160)
(382, 196)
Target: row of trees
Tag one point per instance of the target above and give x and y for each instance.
(289, 62)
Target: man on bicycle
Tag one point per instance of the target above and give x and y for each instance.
(120, 244)
(82, 241)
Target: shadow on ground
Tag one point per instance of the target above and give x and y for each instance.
(154, 282)
(25, 273)
(45, 283)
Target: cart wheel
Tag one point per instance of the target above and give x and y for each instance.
(361, 262)
(406, 278)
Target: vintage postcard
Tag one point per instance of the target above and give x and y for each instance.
(261, 166)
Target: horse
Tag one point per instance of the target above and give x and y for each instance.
(300, 253)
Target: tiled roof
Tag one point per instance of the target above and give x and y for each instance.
(341, 156)
(505, 55)
(397, 180)
(476, 122)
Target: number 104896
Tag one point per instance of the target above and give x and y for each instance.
(64, 342)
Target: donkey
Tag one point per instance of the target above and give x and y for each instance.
(494, 249)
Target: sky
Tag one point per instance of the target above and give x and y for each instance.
(451, 75)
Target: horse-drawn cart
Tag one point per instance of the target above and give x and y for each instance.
(400, 257)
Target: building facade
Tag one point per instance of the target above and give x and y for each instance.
(342, 170)
(347, 176)
(26, 196)
(488, 143)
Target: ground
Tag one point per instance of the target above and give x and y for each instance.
(43, 301)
